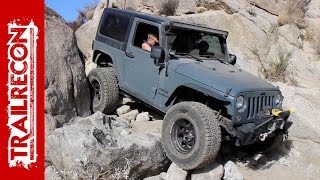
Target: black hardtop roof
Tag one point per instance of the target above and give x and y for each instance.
(161, 19)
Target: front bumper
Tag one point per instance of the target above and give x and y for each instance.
(267, 124)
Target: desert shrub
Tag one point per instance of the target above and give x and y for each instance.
(315, 40)
(278, 68)
(293, 12)
(169, 7)
(217, 5)
(84, 15)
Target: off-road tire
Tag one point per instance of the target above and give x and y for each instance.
(207, 135)
(109, 89)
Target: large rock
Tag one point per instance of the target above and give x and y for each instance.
(51, 123)
(214, 171)
(51, 174)
(143, 117)
(86, 34)
(291, 33)
(150, 127)
(123, 110)
(131, 116)
(306, 116)
(66, 88)
(187, 7)
(231, 172)
(84, 150)
(176, 173)
(153, 178)
(272, 6)
(137, 5)
(313, 9)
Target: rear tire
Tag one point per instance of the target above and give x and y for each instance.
(104, 90)
(191, 135)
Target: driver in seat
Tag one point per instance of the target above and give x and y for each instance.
(151, 41)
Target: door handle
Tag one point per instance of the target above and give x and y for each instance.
(130, 55)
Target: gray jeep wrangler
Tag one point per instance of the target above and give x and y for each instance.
(190, 77)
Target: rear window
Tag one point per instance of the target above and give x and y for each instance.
(115, 26)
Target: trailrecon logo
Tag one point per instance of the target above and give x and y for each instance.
(22, 48)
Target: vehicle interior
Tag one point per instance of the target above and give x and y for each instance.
(196, 43)
(142, 32)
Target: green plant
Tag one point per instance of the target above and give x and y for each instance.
(169, 7)
(278, 68)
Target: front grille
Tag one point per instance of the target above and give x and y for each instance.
(257, 104)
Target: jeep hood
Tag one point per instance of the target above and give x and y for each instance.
(222, 76)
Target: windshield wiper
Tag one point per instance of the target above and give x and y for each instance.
(189, 55)
(214, 57)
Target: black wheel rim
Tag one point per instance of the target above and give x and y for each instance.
(96, 92)
(183, 136)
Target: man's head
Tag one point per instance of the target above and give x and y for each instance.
(152, 39)
(203, 46)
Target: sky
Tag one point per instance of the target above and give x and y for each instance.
(68, 8)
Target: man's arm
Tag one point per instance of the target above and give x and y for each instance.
(146, 46)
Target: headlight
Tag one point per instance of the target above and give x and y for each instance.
(239, 102)
(277, 99)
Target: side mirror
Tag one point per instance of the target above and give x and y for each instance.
(232, 59)
(157, 53)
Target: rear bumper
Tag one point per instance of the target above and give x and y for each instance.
(266, 125)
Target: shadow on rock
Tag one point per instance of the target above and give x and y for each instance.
(256, 156)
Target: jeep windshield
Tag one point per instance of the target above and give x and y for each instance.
(197, 44)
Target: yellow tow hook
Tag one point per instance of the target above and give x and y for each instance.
(281, 113)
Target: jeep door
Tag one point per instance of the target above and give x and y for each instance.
(141, 74)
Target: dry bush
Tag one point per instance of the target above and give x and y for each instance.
(85, 170)
(217, 5)
(169, 7)
(84, 15)
(313, 37)
(294, 12)
(316, 45)
(278, 68)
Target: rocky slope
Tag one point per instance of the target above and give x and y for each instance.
(261, 34)
(90, 148)
(66, 88)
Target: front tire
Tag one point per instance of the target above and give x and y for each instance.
(104, 90)
(191, 135)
